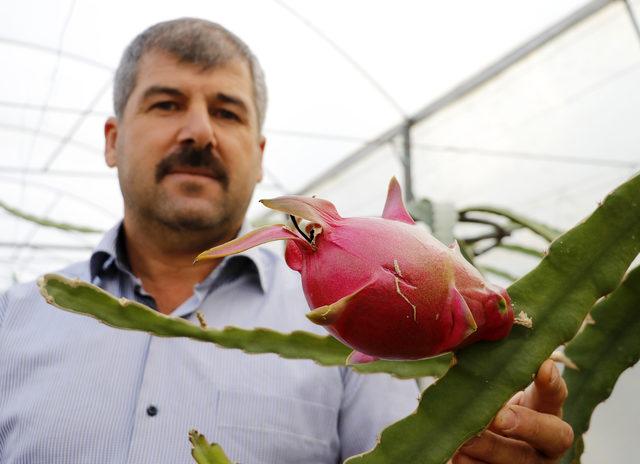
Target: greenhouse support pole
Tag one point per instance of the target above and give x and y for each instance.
(632, 16)
(459, 91)
(406, 161)
(455, 94)
(45, 246)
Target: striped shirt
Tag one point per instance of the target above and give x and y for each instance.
(73, 390)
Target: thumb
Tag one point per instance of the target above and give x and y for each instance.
(548, 391)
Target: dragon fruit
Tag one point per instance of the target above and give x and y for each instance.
(383, 286)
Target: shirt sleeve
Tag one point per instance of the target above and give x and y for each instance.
(371, 403)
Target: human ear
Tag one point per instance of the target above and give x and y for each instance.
(110, 138)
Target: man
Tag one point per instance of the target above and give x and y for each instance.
(190, 101)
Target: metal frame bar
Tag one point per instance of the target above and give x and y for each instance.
(346, 56)
(68, 138)
(462, 89)
(406, 162)
(52, 136)
(45, 246)
(632, 16)
(53, 51)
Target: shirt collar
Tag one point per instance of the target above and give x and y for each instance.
(110, 251)
(259, 258)
(105, 253)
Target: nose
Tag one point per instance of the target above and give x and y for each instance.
(197, 128)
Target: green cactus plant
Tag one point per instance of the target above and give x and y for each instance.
(81, 297)
(204, 452)
(581, 266)
(608, 345)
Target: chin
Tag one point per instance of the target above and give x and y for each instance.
(189, 215)
(189, 223)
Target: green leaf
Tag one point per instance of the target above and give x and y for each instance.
(547, 232)
(81, 297)
(204, 452)
(584, 264)
(602, 351)
(47, 223)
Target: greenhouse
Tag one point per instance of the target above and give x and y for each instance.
(505, 123)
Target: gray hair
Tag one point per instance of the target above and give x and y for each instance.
(191, 40)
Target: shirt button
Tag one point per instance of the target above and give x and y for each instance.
(152, 411)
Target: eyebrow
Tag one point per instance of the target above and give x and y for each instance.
(226, 98)
(161, 90)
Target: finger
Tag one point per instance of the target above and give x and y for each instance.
(545, 432)
(493, 448)
(548, 391)
(460, 458)
(517, 398)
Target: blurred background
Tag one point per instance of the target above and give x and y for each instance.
(532, 106)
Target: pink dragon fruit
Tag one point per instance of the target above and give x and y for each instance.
(383, 286)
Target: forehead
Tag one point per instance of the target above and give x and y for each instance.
(158, 68)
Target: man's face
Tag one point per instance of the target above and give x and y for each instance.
(187, 147)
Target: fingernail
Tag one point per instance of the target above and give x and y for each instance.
(506, 420)
(553, 378)
(515, 399)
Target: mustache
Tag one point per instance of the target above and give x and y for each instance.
(191, 157)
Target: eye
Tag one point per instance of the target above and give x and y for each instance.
(165, 105)
(225, 114)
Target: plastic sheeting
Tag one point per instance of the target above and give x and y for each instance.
(323, 63)
(547, 137)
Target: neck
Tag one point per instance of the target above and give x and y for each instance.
(163, 260)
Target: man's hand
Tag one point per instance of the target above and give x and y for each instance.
(528, 429)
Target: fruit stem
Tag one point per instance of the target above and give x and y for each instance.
(307, 238)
